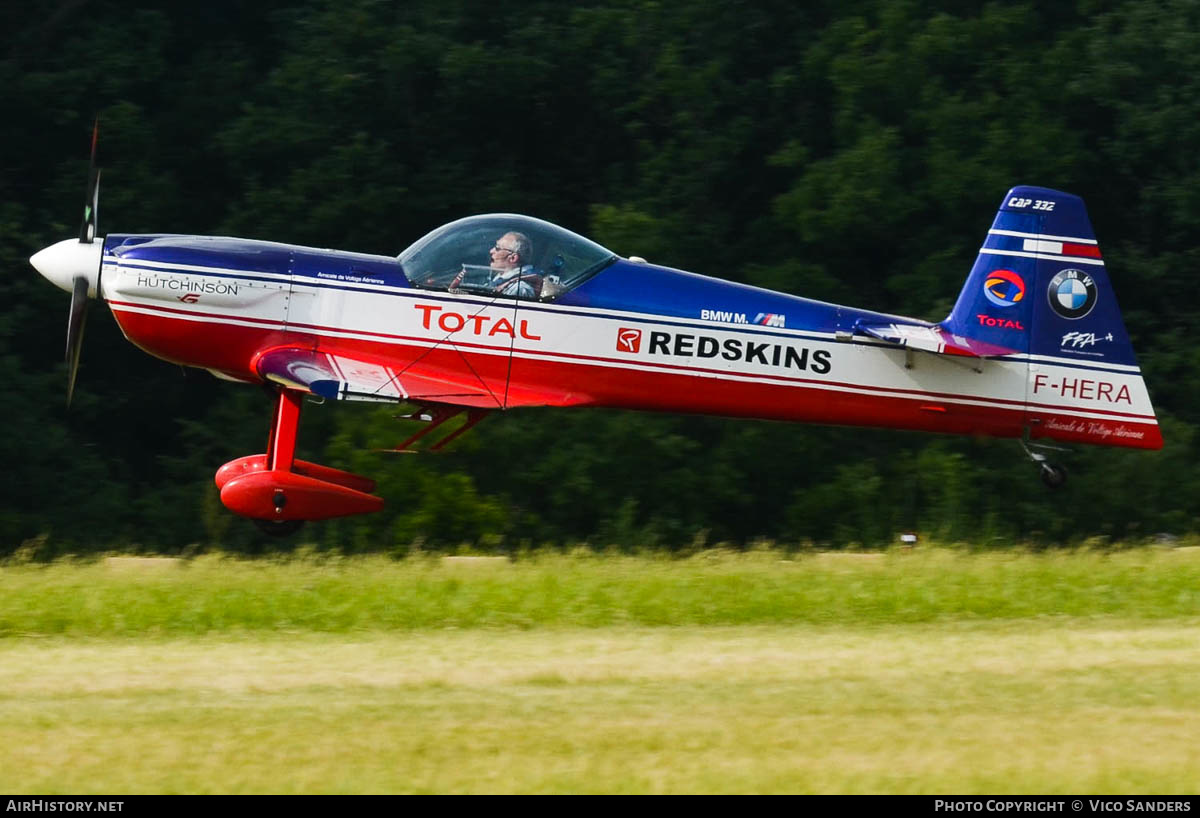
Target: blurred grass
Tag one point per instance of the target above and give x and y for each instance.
(924, 671)
(314, 594)
(1044, 706)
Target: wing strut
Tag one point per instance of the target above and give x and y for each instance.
(435, 416)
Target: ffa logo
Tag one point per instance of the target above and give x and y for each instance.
(1004, 288)
(1072, 293)
(629, 340)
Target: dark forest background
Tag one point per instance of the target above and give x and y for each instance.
(853, 152)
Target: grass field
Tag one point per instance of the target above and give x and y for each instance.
(929, 671)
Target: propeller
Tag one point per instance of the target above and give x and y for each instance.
(74, 265)
(75, 324)
(77, 318)
(91, 203)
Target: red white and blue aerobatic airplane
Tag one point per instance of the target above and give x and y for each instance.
(501, 311)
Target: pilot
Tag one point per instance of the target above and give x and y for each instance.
(510, 274)
(509, 268)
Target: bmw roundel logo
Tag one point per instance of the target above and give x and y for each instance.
(1072, 293)
(1004, 288)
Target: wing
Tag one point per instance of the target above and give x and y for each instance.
(336, 376)
(935, 339)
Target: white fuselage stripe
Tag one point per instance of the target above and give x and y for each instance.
(317, 287)
(898, 392)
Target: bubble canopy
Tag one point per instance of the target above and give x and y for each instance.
(458, 256)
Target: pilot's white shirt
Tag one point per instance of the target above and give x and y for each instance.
(517, 289)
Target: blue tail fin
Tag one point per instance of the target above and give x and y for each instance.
(1039, 285)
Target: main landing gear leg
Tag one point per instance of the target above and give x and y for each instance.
(281, 453)
(278, 491)
(1053, 475)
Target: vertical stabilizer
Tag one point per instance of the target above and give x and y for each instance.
(1039, 287)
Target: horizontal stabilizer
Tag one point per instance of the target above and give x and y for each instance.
(933, 339)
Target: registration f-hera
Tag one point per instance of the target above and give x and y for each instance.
(499, 311)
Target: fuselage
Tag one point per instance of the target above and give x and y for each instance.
(630, 335)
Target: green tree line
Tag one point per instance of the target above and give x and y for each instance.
(850, 152)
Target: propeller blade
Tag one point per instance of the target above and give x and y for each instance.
(75, 323)
(87, 229)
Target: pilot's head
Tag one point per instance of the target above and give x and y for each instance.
(511, 250)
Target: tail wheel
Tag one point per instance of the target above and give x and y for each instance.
(1053, 476)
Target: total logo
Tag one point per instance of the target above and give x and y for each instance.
(1001, 323)
(481, 325)
(1004, 288)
